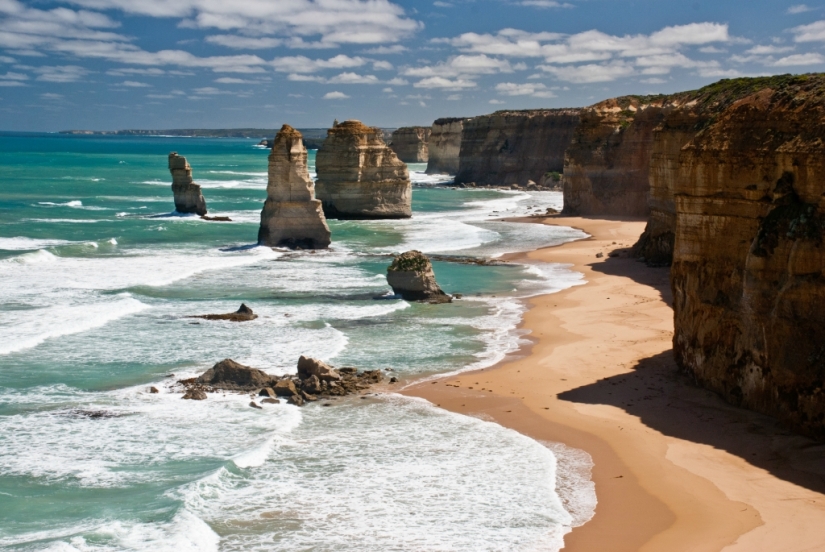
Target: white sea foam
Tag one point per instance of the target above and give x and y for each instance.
(21, 243)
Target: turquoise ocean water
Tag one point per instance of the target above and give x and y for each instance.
(97, 275)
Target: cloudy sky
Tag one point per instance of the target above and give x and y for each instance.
(111, 64)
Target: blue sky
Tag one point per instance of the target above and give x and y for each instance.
(112, 64)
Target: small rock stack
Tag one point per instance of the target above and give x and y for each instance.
(291, 216)
(411, 276)
(188, 196)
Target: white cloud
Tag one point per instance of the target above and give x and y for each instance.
(590, 73)
(442, 82)
(51, 96)
(353, 78)
(11, 83)
(545, 4)
(387, 90)
(245, 42)
(462, 65)
(440, 4)
(454, 97)
(800, 59)
(152, 72)
(303, 64)
(386, 50)
(14, 76)
(765, 50)
(234, 80)
(7, 59)
(534, 89)
(134, 84)
(712, 50)
(653, 80)
(799, 8)
(334, 21)
(335, 96)
(382, 66)
(61, 73)
(398, 81)
(813, 32)
(496, 102)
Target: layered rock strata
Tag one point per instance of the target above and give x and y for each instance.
(359, 177)
(444, 146)
(291, 216)
(411, 144)
(515, 147)
(748, 270)
(411, 276)
(188, 196)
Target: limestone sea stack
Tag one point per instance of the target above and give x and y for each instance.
(444, 146)
(291, 216)
(411, 144)
(359, 177)
(188, 196)
(411, 276)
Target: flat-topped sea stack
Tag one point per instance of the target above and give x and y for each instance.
(515, 147)
(291, 216)
(444, 146)
(411, 276)
(359, 177)
(411, 144)
(188, 196)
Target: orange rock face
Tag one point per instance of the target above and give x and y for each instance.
(514, 147)
(444, 146)
(411, 144)
(748, 270)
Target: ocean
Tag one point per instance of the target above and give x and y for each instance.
(97, 278)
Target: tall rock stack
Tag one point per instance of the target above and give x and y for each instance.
(411, 144)
(291, 216)
(359, 177)
(444, 146)
(188, 196)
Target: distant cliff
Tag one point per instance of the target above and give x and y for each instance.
(514, 147)
(444, 146)
(411, 144)
(748, 271)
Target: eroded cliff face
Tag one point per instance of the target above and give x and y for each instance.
(291, 216)
(359, 177)
(411, 144)
(444, 146)
(606, 166)
(188, 196)
(748, 270)
(514, 147)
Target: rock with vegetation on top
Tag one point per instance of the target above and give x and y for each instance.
(410, 144)
(291, 216)
(359, 177)
(188, 196)
(411, 276)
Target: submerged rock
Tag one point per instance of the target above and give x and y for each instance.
(359, 177)
(228, 374)
(291, 216)
(243, 314)
(195, 395)
(411, 276)
(188, 196)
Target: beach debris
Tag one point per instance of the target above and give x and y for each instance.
(188, 196)
(243, 314)
(411, 276)
(315, 379)
(291, 216)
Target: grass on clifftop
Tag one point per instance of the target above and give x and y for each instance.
(411, 261)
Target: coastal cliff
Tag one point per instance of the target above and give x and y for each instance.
(445, 145)
(291, 216)
(411, 144)
(359, 177)
(188, 196)
(514, 147)
(748, 272)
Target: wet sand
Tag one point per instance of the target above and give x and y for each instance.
(675, 468)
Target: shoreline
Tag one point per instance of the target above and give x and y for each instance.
(675, 468)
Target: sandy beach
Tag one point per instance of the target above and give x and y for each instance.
(675, 468)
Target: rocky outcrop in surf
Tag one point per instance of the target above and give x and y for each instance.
(444, 146)
(748, 270)
(411, 144)
(359, 177)
(411, 276)
(515, 147)
(243, 314)
(291, 216)
(188, 196)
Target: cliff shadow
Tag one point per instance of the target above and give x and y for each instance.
(618, 262)
(668, 401)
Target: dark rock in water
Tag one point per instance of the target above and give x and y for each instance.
(243, 314)
(267, 392)
(393, 379)
(195, 395)
(313, 367)
(285, 388)
(253, 404)
(228, 374)
(270, 401)
(411, 276)
(153, 390)
(311, 385)
(216, 219)
(93, 414)
(297, 400)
